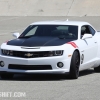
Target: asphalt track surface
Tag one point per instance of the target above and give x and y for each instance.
(48, 87)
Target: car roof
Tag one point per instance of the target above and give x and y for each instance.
(57, 22)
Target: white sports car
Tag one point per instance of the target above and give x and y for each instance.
(58, 47)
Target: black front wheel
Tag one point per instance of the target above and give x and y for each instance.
(74, 67)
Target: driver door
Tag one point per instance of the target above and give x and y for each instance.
(88, 48)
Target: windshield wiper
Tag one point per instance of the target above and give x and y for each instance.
(62, 37)
(26, 36)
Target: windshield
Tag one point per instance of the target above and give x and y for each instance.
(60, 31)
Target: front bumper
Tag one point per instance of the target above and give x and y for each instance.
(36, 61)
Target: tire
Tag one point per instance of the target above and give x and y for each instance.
(7, 76)
(97, 69)
(74, 66)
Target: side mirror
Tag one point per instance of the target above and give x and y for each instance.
(16, 35)
(85, 36)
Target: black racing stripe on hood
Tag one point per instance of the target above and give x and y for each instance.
(38, 41)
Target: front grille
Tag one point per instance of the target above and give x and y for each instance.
(29, 54)
(23, 54)
(30, 67)
(35, 54)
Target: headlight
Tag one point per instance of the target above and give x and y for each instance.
(56, 53)
(7, 52)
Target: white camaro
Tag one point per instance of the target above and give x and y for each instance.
(58, 47)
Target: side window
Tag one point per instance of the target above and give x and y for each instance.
(92, 30)
(32, 31)
(85, 30)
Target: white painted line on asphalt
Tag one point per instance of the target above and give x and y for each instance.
(8, 19)
(18, 30)
(4, 34)
(12, 31)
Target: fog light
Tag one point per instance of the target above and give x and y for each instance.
(2, 63)
(60, 64)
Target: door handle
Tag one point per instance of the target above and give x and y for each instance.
(82, 51)
(95, 42)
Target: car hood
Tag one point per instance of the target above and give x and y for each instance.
(38, 41)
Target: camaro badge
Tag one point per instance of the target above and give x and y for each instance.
(28, 54)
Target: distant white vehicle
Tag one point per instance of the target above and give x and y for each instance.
(58, 47)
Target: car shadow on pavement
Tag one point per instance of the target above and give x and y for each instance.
(46, 77)
(86, 72)
(38, 77)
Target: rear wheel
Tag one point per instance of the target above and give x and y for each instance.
(97, 69)
(74, 67)
(7, 76)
